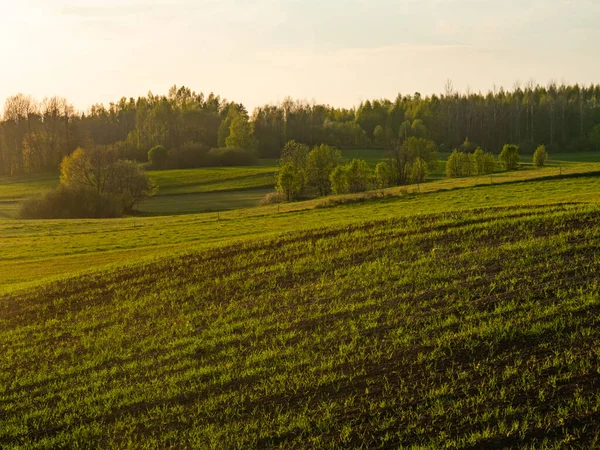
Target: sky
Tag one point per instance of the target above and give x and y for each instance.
(338, 52)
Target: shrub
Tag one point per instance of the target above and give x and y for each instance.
(540, 156)
(221, 157)
(129, 184)
(338, 180)
(417, 171)
(272, 198)
(483, 162)
(319, 164)
(383, 175)
(188, 156)
(509, 157)
(290, 181)
(459, 164)
(71, 203)
(358, 175)
(157, 157)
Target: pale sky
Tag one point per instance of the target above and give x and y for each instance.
(260, 51)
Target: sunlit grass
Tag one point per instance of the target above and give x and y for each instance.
(460, 329)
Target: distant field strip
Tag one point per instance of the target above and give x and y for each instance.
(33, 250)
(472, 329)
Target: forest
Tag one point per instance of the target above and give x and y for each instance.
(36, 135)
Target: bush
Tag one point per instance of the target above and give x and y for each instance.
(188, 156)
(157, 157)
(358, 175)
(71, 203)
(290, 181)
(540, 156)
(417, 171)
(320, 162)
(338, 180)
(272, 198)
(383, 175)
(219, 157)
(509, 157)
(483, 162)
(459, 164)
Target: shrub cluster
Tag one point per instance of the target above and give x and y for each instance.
(463, 164)
(71, 203)
(93, 183)
(194, 155)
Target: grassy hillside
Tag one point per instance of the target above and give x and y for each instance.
(31, 251)
(471, 329)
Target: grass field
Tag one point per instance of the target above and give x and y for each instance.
(31, 251)
(462, 313)
(461, 329)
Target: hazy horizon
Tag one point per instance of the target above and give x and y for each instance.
(263, 51)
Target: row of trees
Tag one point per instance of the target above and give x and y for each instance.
(34, 136)
(305, 173)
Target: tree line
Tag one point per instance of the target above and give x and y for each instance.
(36, 136)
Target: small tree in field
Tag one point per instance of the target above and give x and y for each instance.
(158, 157)
(540, 156)
(417, 171)
(290, 181)
(383, 175)
(459, 164)
(509, 157)
(338, 180)
(319, 164)
(358, 175)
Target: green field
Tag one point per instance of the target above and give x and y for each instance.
(222, 188)
(461, 329)
(461, 313)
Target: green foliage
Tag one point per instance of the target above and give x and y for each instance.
(379, 135)
(417, 171)
(595, 137)
(290, 181)
(241, 134)
(468, 146)
(224, 157)
(383, 175)
(188, 156)
(405, 155)
(71, 203)
(99, 169)
(353, 177)
(483, 162)
(459, 164)
(359, 175)
(319, 164)
(509, 157)
(339, 180)
(157, 156)
(540, 156)
(418, 129)
(295, 153)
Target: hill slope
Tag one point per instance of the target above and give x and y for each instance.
(466, 329)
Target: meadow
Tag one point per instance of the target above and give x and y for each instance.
(468, 329)
(189, 191)
(461, 313)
